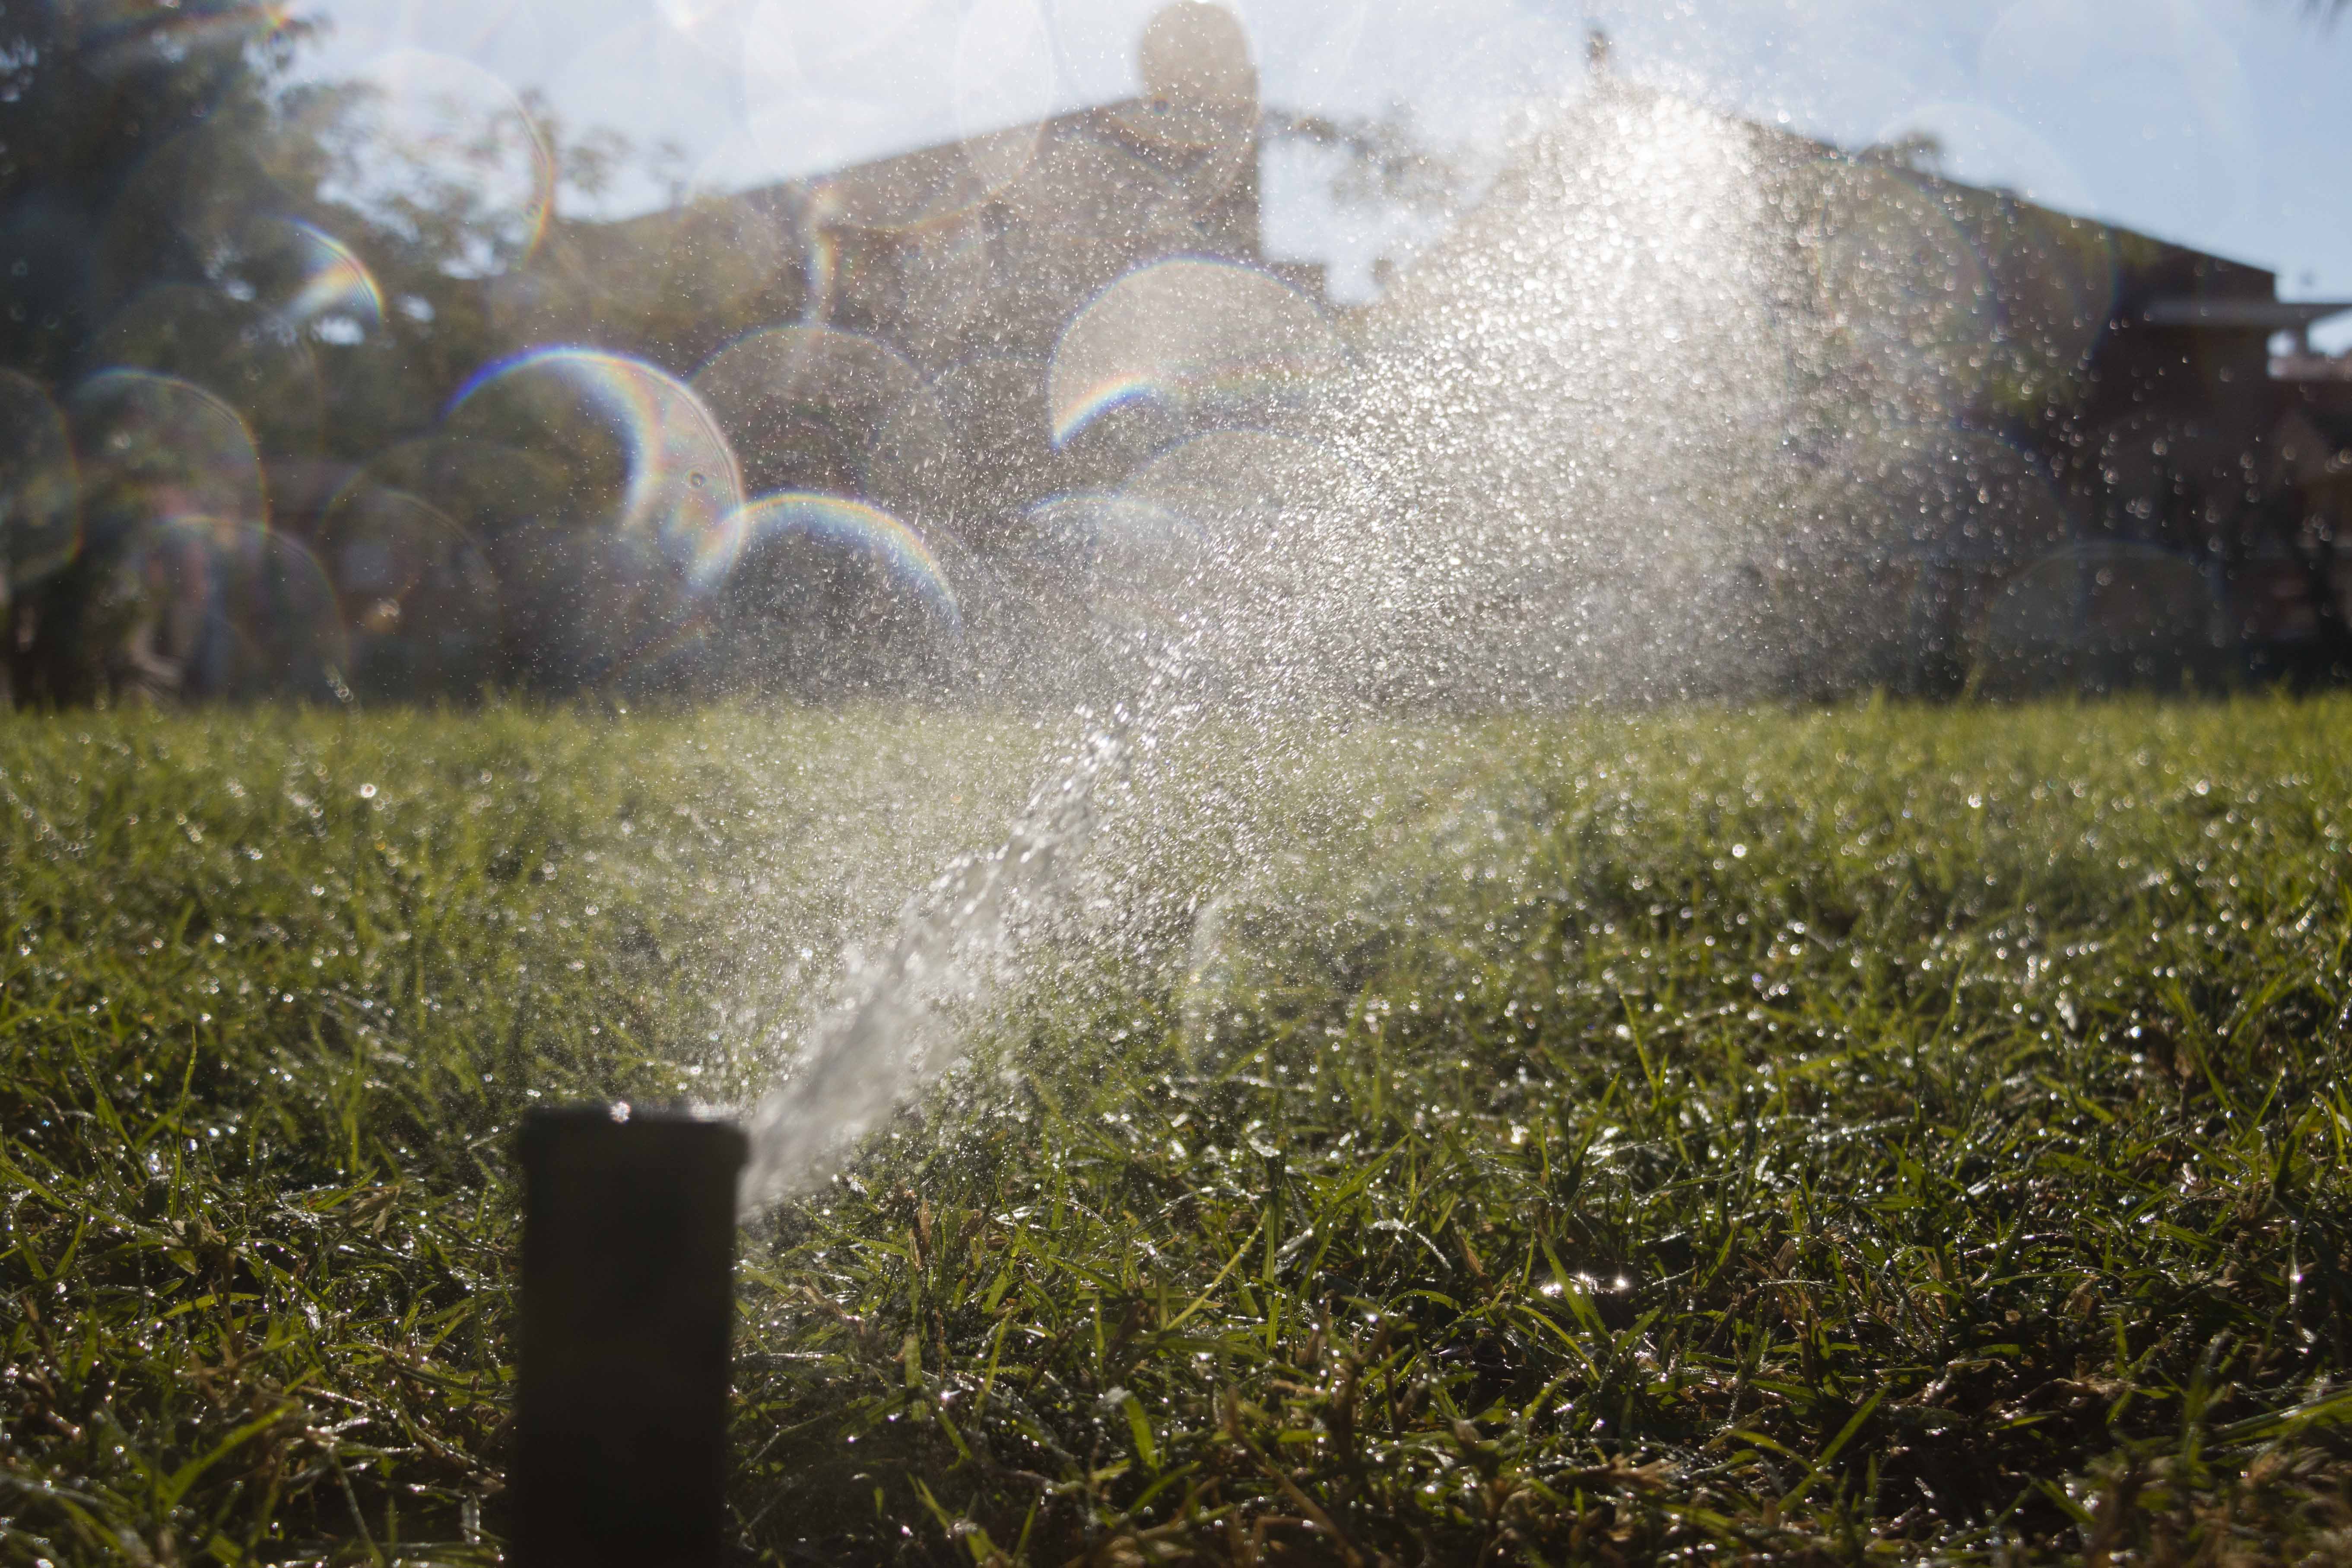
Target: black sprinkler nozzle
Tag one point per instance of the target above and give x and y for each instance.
(628, 1304)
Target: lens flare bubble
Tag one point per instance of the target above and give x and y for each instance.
(325, 278)
(1118, 553)
(1223, 343)
(152, 449)
(807, 407)
(1085, 211)
(416, 591)
(628, 432)
(597, 606)
(40, 491)
(486, 488)
(210, 608)
(190, 205)
(1901, 288)
(2106, 611)
(1251, 486)
(427, 126)
(830, 595)
(235, 348)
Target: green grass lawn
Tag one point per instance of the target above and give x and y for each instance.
(1896, 1131)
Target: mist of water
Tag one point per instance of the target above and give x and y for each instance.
(1530, 486)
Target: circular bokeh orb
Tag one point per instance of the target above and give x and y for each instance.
(1118, 553)
(487, 489)
(645, 456)
(118, 41)
(1223, 343)
(211, 609)
(308, 280)
(40, 487)
(236, 348)
(424, 126)
(829, 597)
(417, 595)
(820, 410)
(153, 447)
(596, 607)
(2106, 613)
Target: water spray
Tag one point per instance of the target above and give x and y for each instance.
(628, 1266)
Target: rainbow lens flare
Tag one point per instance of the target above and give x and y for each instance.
(645, 456)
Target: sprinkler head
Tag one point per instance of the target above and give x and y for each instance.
(628, 1263)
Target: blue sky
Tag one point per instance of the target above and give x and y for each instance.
(2225, 125)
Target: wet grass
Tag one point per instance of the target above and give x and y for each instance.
(1884, 1132)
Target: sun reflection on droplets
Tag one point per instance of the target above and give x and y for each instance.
(1570, 395)
(153, 448)
(417, 594)
(212, 607)
(635, 432)
(829, 597)
(1223, 345)
(431, 132)
(1297, 586)
(40, 511)
(808, 406)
